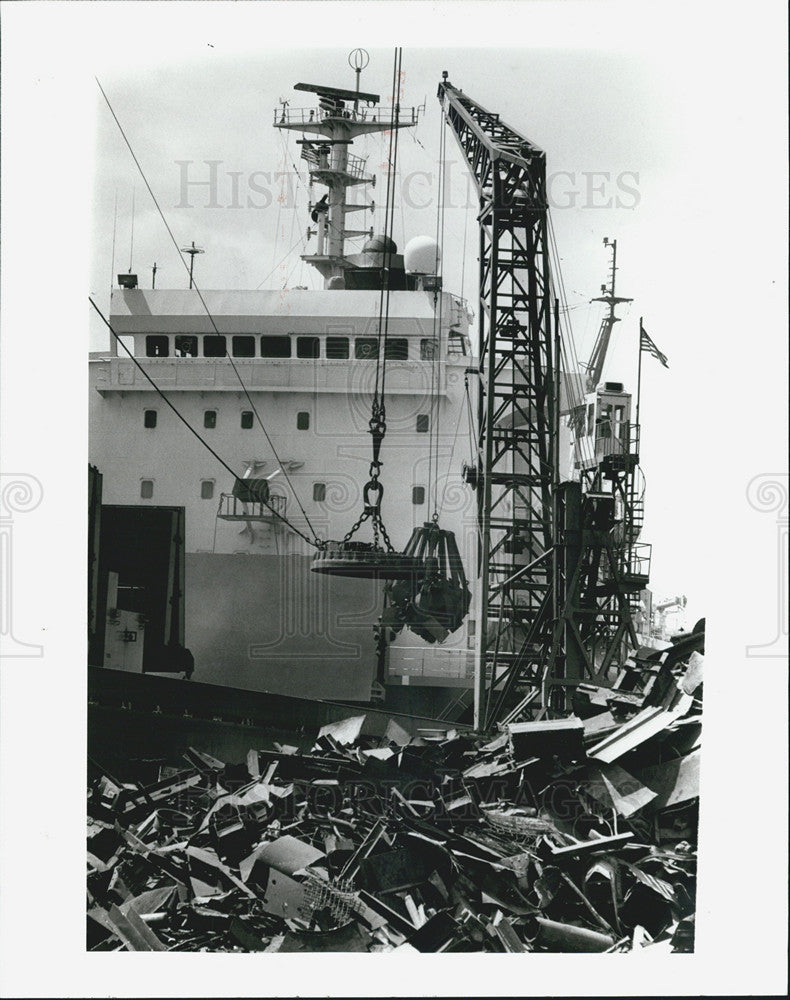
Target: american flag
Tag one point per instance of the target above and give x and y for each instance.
(646, 344)
(309, 153)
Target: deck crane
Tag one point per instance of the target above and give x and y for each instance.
(673, 605)
(584, 417)
(517, 425)
(606, 455)
(550, 582)
(598, 357)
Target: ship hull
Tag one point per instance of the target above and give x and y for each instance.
(138, 722)
(267, 623)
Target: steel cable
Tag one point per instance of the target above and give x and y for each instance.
(316, 541)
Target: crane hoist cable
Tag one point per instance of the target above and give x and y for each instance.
(471, 424)
(315, 540)
(373, 491)
(282, 260)
(187, 424)
(461, 415)
(349, 557)
(435, 601)
(389, 224)
(377, 424)
(295, 211)
(586, 448)
(463, 257)
(281, 197)
(434, 419)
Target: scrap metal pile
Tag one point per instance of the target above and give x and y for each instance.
(575, 834)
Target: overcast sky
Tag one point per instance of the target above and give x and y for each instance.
(608, 174)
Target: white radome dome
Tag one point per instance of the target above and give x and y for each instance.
(422, 255)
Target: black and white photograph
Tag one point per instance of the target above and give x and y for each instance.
(394, 498)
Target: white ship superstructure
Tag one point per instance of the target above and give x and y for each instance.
(305, 362)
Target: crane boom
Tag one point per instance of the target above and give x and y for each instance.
(517, 427)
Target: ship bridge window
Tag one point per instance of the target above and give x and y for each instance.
(366, 348)
(210, 419)
(319, 492)
(423, 423)
(337, 347)
(275, 347)
(246, 420)
(417, 495)
(214, 347)
(186, 346)
(307, 347)
(207, 489)
(157, 346)
(149, 418)
(429, 348)
(243, 347)
(396, 349)
(303, 421)
(146, 489)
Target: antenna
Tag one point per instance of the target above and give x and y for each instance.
(154, 269)
(131, 243)
(358, 60)
(114, 230)
(596, 363)
(192, 251)
(607, 293)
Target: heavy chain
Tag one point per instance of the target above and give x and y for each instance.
(385, 536)
(375, 532)
(372, 511)
(356, 526)
(373, 491)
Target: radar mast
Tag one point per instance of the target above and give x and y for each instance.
(330, 130)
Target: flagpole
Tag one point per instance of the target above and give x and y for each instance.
(638, 443)
(639, 374)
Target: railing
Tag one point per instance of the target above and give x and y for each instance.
(611, 439)
(313, 116)
(233, 509)
(638, 559)
(633, 561)
(633, 438)
(448, 664)
(457, 343)
(637, 520)
(355, 167)
(351, 376)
